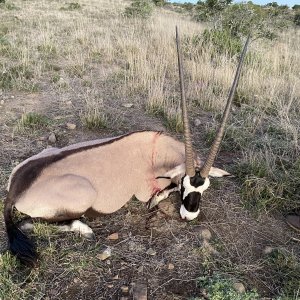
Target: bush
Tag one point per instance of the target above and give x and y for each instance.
(139, 9)
(159, 2)
(297, 19)
(222, 41)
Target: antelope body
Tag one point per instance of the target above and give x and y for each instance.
(100, 176)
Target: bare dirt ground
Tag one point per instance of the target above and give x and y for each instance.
(70, 267)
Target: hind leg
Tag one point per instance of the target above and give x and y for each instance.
(73, 226)
(58, 198)
(78, 226)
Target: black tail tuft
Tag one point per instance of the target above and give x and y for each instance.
(19, 244)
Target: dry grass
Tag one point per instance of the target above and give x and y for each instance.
(81, 64)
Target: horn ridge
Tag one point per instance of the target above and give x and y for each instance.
(219, 136)
(189, 153)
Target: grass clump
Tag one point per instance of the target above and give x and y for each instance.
(139, 9)
(32, 120)
(19, 77)
(219, 288)
(285, 271)
(71, 6)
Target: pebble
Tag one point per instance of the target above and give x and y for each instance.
(239, 287)
(71, 126)
(197, 122)
(171, 266)
(113, 236)
(127, 105)
(205, 234)
(52, 138)
(151, 252)
(268, 250)
(124, 289)
(105, 254)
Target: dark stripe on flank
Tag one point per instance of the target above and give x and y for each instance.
(28, 173)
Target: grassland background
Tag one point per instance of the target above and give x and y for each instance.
(85, 64)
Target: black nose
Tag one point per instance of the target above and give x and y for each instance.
(192, 201)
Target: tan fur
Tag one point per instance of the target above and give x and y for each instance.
(102, 178)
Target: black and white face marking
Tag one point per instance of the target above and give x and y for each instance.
(191, 192)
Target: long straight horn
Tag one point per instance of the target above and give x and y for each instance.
(189, 153)
(217, 142)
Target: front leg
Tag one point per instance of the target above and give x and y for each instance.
(162, 195)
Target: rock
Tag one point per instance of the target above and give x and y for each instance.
(105, 254)
(2, 102)
(139, 291)
(167, 208)
(239, 287)
(71, 126)
(108, 262)
(76, 280)
(124, 289)
(205, 234)
(151, 252)
(170, 266)
(140, 269)
(268, 250)
(52, 138)
(69, 103)
(116, 277)
(12, 97)
(127, 105)
(113, 236)
(197, 122)
(110, 286)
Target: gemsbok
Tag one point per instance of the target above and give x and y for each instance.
(100, 176)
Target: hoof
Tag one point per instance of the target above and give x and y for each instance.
(90, 236)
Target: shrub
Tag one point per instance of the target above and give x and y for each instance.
(139, 9)
(297, 19)
(222, 41)
(159, 2)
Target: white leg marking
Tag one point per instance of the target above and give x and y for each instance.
(78, 226)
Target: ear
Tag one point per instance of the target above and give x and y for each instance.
(216, 172)
(177, 171)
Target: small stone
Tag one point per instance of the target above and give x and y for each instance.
(108, 262)
(110, 286)
(197, 122)
(42, 138)
(104, 254)
(268, 250)
(116, 277)
(12, 97)
(2, 102)
(124, 289)
(170, 266)
(140, 291)
(71, 126)
(127, 105)
(113, 236)
(239, 287)
(205, 234)
(52, 138)
(76, 280)
(151, 252)
(69, 103)
(140, 269)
